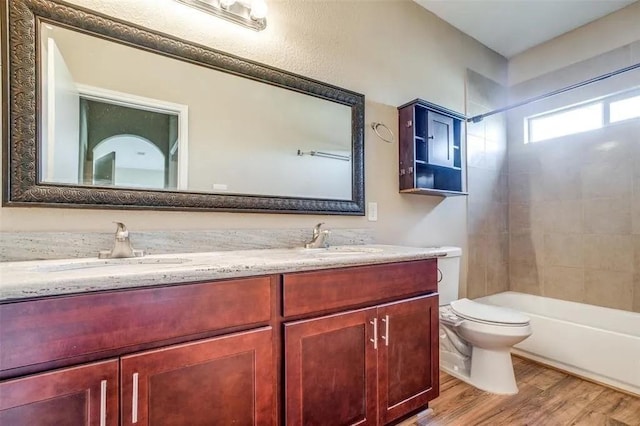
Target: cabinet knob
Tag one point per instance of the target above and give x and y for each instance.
(402, 172)
(410, 170)
(409, 123)
(430, 137)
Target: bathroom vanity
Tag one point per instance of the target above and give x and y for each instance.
(264, 337)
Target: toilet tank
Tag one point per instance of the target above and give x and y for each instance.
(449, 274)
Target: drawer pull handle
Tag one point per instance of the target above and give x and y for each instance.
(103, 403)
(385, 320)
(375, 333)
(134, 399)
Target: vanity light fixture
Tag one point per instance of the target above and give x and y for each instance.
(248, 13)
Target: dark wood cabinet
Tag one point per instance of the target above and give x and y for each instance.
(431, 149)
(330, 370)
(346, 346)
(364, 367)
(408, 356)
(225, 380)
(84, 395)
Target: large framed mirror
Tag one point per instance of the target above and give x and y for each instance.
(99, 113)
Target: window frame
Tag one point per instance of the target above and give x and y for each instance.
(606, 102)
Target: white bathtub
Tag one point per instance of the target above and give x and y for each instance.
(598, 343)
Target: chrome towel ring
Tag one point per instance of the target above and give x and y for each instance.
(387, 135)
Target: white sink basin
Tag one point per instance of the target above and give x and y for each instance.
(110, 263)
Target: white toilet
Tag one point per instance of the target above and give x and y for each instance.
(476, 339)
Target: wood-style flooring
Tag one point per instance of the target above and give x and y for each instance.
(547, 398)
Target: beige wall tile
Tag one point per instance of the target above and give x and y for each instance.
(498, 218)
(486, 185)
(562, 216)
(607, 179)
(561, 181)
(476, 129)
(607, 216)
(609, 288)
(497, 248)
(563, 250)
(525, 188)
(525, 278)
(526, 247)
(609, 252)
(475, 151)
(478, 214)
(636, 250)
(476, 280)
(495, 129)
(497, 277)
(616, 150)
(635, 202)
(477, 266)
(524, 162)
(564, 283)
(519, 217)
(636, 292)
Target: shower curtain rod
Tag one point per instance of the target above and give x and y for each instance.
(480, 117)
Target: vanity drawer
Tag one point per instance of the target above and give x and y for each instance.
(307, 292)
(44, 330)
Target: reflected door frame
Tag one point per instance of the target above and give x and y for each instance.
(154, 105)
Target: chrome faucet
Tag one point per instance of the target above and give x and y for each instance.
(121, 246)
(319, 239)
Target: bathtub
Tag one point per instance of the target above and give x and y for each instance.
(597, 343)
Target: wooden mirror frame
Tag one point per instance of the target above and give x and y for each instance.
(21, 122)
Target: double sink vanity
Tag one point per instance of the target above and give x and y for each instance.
(330, 336)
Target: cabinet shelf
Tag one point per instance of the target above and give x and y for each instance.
(432, 165)
(429, 191)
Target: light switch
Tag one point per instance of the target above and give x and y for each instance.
(372, 211)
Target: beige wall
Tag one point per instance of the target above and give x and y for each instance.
(603, 35)
(392, 51)
(575, 201)
(488, 264)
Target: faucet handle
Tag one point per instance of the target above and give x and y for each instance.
(316, 229)
(122, 233)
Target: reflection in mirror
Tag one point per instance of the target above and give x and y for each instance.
(117, 116)
(105, 114)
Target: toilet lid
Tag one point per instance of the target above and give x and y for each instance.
(486, 313)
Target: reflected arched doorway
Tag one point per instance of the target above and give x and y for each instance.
(128, 161)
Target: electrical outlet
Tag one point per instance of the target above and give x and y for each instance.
(372, 211)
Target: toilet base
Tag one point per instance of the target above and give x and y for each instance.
(492, 371)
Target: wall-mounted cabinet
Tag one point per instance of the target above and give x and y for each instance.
(431, 149)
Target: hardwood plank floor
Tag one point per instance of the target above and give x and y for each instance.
(547, 398)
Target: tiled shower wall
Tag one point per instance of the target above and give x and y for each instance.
(488, 267)
(574, 201)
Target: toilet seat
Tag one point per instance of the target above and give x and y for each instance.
(487, 314)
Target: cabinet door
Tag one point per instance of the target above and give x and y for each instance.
(84, 395)
(227, 380)
(407, 356)
(330, 370)
(440, 139)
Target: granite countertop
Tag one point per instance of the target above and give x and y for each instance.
(21, 280)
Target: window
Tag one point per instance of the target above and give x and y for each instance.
(584, 117)
(624, 109)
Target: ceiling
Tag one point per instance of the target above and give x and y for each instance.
(512, 26)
